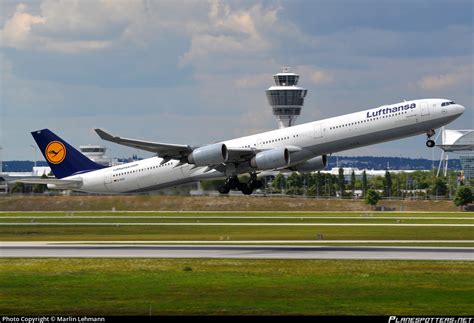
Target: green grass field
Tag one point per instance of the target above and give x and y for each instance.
(182, 286)
(220, 286)
(235, 226)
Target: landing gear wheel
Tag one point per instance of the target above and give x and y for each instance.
(232, 182)
(256, 184)
(430, 143)
(224, 189)
(246, 190)
(241, 186)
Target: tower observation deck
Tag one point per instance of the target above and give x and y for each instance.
(286, 97)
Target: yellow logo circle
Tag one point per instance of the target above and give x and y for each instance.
(55, 152)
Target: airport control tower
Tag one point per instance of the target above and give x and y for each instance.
(286, 97)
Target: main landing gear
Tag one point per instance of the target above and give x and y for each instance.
(233, 182)
(430, 143)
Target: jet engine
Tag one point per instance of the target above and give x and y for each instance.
(209, 155)
(311, 165)
(271, 159)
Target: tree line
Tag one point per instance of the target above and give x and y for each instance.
(403, 185)
(417, 184)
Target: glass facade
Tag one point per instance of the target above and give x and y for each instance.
(467, 164)
(287, 111)
(92, 149)
(286, 97)
(286, 79)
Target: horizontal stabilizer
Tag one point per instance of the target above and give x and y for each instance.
(54, 181)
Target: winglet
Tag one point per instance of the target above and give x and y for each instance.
(105, 135)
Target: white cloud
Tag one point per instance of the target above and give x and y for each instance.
(315, 75)
(218, 35)
(69, 26)
(81, 26)
(254, 80)
(235, 32)
(447, 80)
(88, 18)
(17, 30)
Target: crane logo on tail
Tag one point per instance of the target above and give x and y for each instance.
(55, 152)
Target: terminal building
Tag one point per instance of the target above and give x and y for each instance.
(459, 142)
(347, 171)
(286, 98)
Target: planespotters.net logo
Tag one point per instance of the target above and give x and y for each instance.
(404, 319)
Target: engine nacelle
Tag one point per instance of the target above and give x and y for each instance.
(209, 155)
(271, 159)
(311, 165)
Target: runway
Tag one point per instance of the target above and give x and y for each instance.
(237, 217)
(232, 224)
(33, 250)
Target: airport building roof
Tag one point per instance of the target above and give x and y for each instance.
(457, 140)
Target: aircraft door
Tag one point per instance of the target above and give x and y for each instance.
(108, 178)
(182, 171)
(317, 132)
(425, 109)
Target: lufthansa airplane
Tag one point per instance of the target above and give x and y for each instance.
(301, 148)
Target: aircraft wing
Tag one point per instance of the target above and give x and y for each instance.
(162, 149)
(45, 181)
(171, 151)
(238, 157)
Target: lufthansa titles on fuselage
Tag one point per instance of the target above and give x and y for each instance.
(388, 110)
(124, 167)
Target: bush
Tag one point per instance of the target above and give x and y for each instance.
(439, 187)
(463, 196)
(18, 188)
(372, 197)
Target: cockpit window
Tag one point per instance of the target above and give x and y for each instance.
(447, 103)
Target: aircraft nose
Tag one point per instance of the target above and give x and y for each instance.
(460, 109)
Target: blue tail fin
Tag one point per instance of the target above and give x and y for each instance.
(63, 159)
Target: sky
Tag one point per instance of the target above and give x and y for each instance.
(195, 72)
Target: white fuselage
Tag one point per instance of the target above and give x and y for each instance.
(309, 140)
